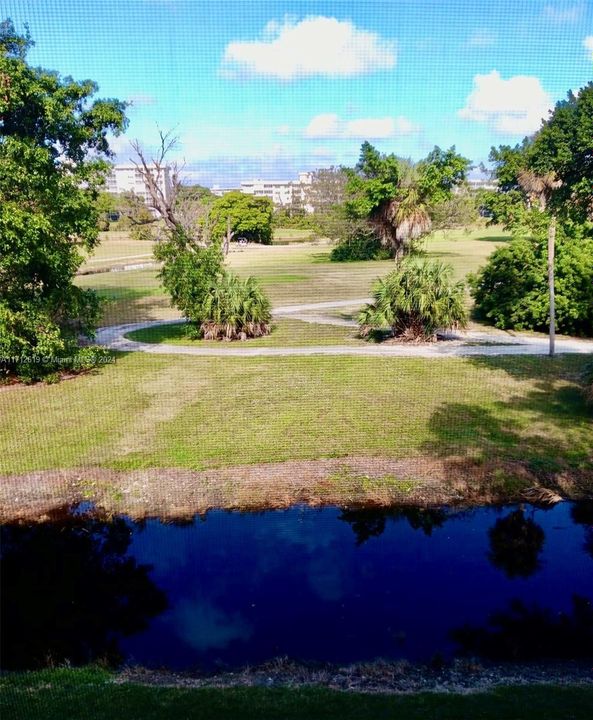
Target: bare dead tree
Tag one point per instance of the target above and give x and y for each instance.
(181, 215)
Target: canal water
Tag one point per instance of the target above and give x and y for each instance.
(317, 585)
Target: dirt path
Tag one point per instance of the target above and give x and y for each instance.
(460, 344)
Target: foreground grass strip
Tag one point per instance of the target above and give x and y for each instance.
(89, 694)
(149, 411)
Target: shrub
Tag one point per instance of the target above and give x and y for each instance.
(361, 245)
(234, 309)
(414, 301)
(217, 303)
(511, 290)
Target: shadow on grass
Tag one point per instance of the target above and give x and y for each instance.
(321, 258)
(493, 238)
(546, 427)
(127, 305)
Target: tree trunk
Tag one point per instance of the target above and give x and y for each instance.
(227, 237)
(551, 249)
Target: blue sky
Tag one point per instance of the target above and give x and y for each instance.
(265, 89)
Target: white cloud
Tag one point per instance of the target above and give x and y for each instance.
(482, 38)
(326, 125)
(283, 130)
(588, 44)
(316, 45)
(515, 106)
(329, 125)
(370, 128)
(561, 15)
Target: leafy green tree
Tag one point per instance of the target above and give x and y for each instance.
(544, 189)
(458, 211)
(511, 290)
(440, 173)
(564, 147)
(415, 300)
(53, 150)
(246, 216)
(393, 195)
(217, 303)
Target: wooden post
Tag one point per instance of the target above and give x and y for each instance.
(551, 249)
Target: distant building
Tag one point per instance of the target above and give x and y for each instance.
(476, 184)
(283, 193)
(127, 178)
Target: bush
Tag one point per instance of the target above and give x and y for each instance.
(217, 303)
(414, 301)
(362, 245)
(511, 290)
(35, 341)
(234, 309)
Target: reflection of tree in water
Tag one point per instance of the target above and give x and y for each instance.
(370, 522)
(524, 633)
(582, 514)
(515, 545)
(69, 590)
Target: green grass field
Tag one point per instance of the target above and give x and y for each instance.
(90, 694)
(290, 274)
(184, 411)
(284, 332)
(117, 247)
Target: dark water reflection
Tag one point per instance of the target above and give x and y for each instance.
(316, 585)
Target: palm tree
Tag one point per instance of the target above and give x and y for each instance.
(415, 300)
(234, 309)
(404, 218)
(539, 189)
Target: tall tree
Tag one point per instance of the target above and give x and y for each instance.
(53, 152)
(238, 215)
(544, 183)
(393, 194)
(217, 303)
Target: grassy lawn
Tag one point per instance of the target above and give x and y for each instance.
(183, 411)
(289, 273)
(118, 247)
(285, 332)
(291, 235)
(89, 694)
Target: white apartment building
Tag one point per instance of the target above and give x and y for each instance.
(283, 193)
(127, 178)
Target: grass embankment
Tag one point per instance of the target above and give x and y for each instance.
(284, 333)
(387, 429)
(90, 694)
(290, 273)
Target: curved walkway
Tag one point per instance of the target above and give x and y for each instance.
(462, 344)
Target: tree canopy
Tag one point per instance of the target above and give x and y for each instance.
(250, 217)
(564, 147)
(53, 151)
(393, 194)
(546, 182)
